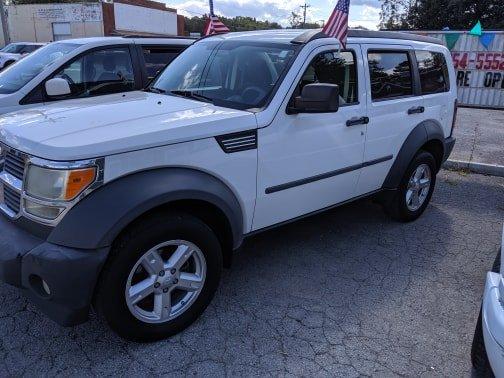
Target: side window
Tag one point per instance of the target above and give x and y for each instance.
(333, 67)
(433, 71)
(390, 74)
(100, 72)
(156, 59)
(29, 49)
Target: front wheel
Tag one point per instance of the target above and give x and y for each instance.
(161, 275)
(415, 190)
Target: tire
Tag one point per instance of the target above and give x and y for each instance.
(128, 264)
(479, 358)
(398, 207)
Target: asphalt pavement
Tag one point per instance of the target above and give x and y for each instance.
(480, 136)
(345, 293)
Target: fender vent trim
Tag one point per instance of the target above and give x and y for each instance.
(236, 142)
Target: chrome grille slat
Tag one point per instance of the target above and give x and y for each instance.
(237, 142)
(14, 164)
(12, 199)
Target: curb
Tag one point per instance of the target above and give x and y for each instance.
(481, 168)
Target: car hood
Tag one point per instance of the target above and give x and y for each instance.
(112, 124)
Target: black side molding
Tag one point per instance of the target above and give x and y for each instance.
(322, 176)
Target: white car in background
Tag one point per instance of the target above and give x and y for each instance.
(16, 51)
(86, 67)
(487, 352)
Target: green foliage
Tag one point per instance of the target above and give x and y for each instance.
(197, 24)
(436, 14)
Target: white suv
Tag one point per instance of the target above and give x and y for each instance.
(134, 202)
(85, 67)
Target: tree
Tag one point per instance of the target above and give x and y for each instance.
(197, 24)
(295, 20)
(435, 14)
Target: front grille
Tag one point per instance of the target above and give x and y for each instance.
(14, 164)
(12, 199)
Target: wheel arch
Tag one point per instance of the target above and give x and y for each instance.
(427, 135)
(98, 219)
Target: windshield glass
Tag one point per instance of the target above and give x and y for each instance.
(12, 48)
(236, 74)
(18, 75)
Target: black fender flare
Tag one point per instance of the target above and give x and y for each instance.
(422, 133)
(98, 219)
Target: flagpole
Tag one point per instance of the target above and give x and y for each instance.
(211, 7)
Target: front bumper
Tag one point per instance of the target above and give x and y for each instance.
(60, 281)
(493, 322)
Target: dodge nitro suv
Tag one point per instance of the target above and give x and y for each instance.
(133, 203)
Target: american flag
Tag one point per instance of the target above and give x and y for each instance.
(337, 25)
(214, 26)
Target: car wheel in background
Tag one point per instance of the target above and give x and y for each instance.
(479, 358)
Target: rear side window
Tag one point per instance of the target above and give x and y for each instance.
(156, 59)
(333, 67)
(390, 74)
(433, 71)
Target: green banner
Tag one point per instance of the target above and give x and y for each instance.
(451, 39)
(477, 29)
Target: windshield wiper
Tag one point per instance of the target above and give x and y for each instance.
(156, 90)
(191, 94)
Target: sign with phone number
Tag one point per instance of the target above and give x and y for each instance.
(466, 62)
(478, 60)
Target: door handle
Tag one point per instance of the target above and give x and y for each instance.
(357, 121)
(416, 110)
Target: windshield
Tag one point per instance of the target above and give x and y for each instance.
(13, 48)
(18, 75)
(236, 74)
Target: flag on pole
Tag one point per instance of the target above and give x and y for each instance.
(337, 25)
(214, 26)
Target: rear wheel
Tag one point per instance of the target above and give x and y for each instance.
(161, 275)
(415, 190)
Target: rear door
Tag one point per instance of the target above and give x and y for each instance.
(394, 107)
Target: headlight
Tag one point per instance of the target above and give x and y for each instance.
(58, 184)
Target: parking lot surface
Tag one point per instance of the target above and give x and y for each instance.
(480, 136)
(345, 293)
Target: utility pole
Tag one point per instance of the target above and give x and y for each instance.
(306, 6)
(211, 7)
(5, 27)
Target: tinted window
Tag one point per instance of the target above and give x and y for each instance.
(13, 48)
(236, 74)
(156, 59)
(29, 49)
(100, 72)
(433, 70)
(19, 74)
(334, 68)
(390, 74)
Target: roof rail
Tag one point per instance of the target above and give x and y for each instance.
(153, 36)
(313, 34)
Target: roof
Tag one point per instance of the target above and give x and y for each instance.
(28, 43)
(301, 36)
(125, 40)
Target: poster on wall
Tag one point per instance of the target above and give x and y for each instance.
(70, 12)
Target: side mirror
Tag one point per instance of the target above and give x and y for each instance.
(57, 87)
(317, 98)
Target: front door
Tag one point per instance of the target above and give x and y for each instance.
(311, 161)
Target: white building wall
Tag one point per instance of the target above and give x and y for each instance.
(34, 22)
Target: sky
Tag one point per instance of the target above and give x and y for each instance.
(362, 12)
